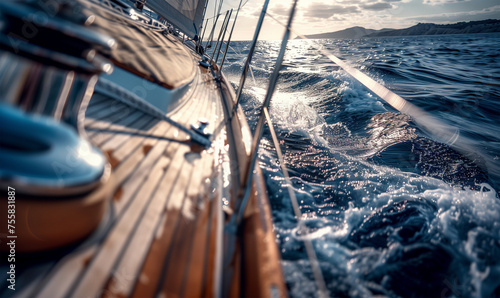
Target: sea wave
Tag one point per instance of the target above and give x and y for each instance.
(388, 209)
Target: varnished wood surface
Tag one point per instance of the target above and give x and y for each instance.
(163, 232)
(159, 236)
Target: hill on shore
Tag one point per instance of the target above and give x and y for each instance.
(353, 32)
(485, 26)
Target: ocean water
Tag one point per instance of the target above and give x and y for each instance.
(389, 210)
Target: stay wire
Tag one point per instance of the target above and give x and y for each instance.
(250, 66)
(434, 127)
(264, 117)
(311, 254)
(440, 130)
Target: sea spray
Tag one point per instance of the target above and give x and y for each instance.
(389, 211)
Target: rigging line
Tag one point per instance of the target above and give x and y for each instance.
(216, 18)
(311, 254)
(322, 290)
(204, 12)
(245, 3)
(211, 36)
(246, 187)
(215, 8)
(223, 36)
(200, 40)
(213, 17)
(436, 128)
(244, 191)
(217, 13)
(222, 29)
(131, 99)
(229, 38)
(251, 71)
(249, 57)
(240, 209)
(250, 67)
(220, 6)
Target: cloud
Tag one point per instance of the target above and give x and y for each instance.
(321, 10)
(475, 15)
(327, 10)
(441, 2)
(377, 6)
(279, 9)
(253, 11)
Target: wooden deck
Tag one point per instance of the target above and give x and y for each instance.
(163, 211)
(163, 233)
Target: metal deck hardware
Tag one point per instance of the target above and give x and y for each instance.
(53, 81)
(131, 99)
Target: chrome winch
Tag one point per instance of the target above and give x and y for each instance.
(50, 60)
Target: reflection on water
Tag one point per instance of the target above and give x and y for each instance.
(389, 209)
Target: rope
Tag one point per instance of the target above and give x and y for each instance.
(125, 96)
(250, 66)
(311, 254)
(241, 204)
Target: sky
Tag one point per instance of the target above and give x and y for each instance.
(320, 16)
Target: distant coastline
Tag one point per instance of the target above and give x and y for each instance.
(485, 26)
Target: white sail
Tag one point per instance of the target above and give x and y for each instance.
(187, 15)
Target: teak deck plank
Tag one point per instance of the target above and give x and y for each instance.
(177, 201)
(122, 135)
(103, 107)
(59, 283)
(163, 233)
(140, 172)
(157, 133)
(101, 132)
(140, 188)
(198, 255)
(119, 179)
(143, 236)
(128, 193)
(181, 242)
(96, 124)
(102, 266)
(197, 258)
(161, 250)
(176, 259)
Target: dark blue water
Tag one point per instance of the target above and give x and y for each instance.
(389, 210)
